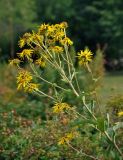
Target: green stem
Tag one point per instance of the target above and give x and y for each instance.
(69, 70)
(46, 95)
(83, 99)
(84, 154)
(37, 75)
(55, 85)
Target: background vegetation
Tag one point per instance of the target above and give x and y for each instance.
(25, 127)
(91, 22)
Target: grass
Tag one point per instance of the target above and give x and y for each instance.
(112, 85)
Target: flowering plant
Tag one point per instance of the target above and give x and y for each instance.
(49, 47)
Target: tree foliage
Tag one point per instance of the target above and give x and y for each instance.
(15, 16)
(90, 21)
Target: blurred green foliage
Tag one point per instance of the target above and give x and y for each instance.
(115, 105)
(30, 131)
(22, 138)
(15, 17)
(25, 133)
(91, 22)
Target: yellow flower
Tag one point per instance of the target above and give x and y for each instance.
(31, 87)
(14, 62)
(59, 35)
(60, 107)
(85, 56)
(51, 30)
(62, 141)
(27, 53)
(63, 25)
(66, 41)
(26, 39)
(29, 38)
(23, 79)
(21, 43)
(120, 114)
(67, 138)
(43, 28)
(40, 62)
(55, 33)
(56, 49)
(36, 37)
(56, 30)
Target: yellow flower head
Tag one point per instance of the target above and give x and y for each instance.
(62, 141)
(43, 28)
(84, 56)
(56, 49)
(27, 53)
(55, 33)
(40, 62)
(120, 114)
(36, 38)
(26, 39)
(66, 41)
(63, 25)
(23, 79)
(31, 87)
(60, 107)
(14, 62)
(21, 43)
(51, 30)
(59, 35)
(67, 138)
